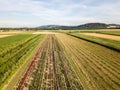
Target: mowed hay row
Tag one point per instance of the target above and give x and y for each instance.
(97, 67)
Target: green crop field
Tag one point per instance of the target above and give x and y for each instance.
(13, 51)
(60, 60)
(109, 32)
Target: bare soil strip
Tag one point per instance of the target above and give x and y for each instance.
(103, 36)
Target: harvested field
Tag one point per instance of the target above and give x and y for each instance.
(103, 36)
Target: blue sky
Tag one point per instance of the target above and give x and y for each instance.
(22, 13)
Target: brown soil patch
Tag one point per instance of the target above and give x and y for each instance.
(103, 36)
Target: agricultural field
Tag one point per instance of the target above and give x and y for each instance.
(60, 60)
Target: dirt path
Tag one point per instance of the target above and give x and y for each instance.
(103, 36)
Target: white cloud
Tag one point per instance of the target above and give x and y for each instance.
(67, 12)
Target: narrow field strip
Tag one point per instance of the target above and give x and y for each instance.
(103, 36)
(34, 61)
(114, 32)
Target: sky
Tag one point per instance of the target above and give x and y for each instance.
(32, 13)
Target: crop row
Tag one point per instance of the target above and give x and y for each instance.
(13, 50)
(97, 67)
(32, 66)
(8, 43)
(13, 58)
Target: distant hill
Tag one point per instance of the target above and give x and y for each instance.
(61, 27)
(55, 27)
(84, 26)
(93, 26)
